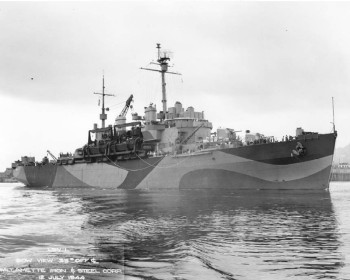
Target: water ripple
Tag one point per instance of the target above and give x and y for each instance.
(180, 234)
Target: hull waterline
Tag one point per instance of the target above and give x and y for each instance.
(262, 166)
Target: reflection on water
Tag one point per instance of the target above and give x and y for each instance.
(179, 234)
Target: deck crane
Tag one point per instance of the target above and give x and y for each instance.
(126, 107)
(185, 140)
(122, 116)
(53, 157)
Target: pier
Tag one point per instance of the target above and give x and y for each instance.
(340, 172)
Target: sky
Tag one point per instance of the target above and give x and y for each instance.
(269, 67)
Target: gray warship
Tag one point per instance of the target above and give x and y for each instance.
(176, 149)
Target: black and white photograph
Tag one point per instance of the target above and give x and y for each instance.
(174, 140)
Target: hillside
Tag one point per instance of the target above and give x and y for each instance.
(342, 154)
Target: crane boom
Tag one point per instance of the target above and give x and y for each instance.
(53, 157)
(184, 141)
(126, 107)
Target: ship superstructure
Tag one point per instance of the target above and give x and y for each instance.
(175, 148)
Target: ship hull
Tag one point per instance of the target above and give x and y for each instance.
(260, 166)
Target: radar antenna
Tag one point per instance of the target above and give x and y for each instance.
(163, 58)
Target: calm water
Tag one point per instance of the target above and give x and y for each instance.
(174, 235)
